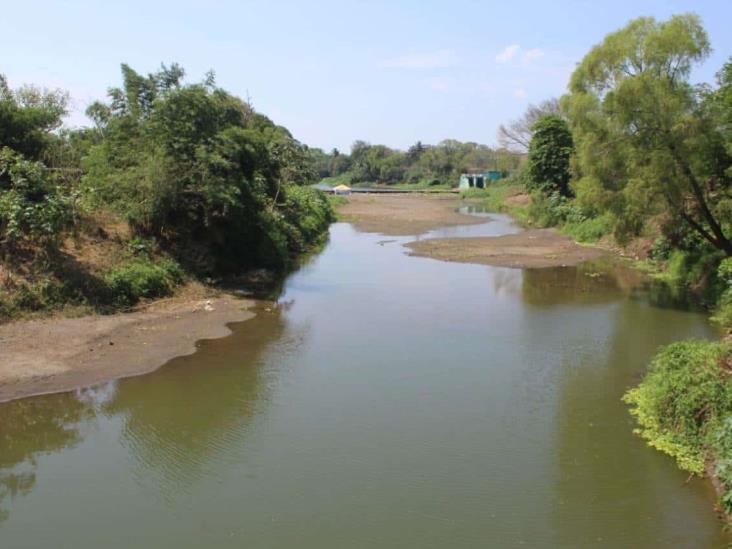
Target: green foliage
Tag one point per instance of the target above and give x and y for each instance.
(550, 151)
(196, 172)
(549, 210)
(199, 169)
(495, 197)
(683, 399)
(32, 211)
(27, 116)
(139, 279)
(722, 447)
(589, 229)
(648, 143)
(723, 312)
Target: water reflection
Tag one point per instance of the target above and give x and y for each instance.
(634, 488)
(186, 414)
(30, 428)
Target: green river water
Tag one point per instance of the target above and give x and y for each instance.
(388, 401)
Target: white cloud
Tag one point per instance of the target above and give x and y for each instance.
(532, 54)
(514, 51)
(508, 53)
(520, 93)
(420, 61)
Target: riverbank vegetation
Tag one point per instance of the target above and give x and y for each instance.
(175, 181)
(637, 156)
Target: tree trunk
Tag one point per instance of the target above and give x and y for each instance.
(717, 238)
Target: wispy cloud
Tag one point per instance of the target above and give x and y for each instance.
(532, 54)
(508, 53)
(515, 52)
(421, 61)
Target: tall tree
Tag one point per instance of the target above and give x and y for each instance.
(550, 151)
(644, 137)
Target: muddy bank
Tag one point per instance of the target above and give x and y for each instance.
(403, 215)
(60, 354)
(529, 249)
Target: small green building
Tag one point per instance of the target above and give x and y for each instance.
(478, 180)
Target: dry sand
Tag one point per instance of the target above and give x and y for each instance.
(529, 249)
(59, 354)
(403, 214)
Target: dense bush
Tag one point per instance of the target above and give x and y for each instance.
(683, 400)
(129, 283)
(199, 169)
(723, 313)
(549, 210)
(722, 447)
(31, 209)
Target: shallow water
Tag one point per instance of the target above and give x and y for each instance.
(389, 401)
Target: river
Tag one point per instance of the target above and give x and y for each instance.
(386, 401)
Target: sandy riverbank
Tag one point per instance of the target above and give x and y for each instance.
(403, 214)
(531, 249)
(59, 354)
(414, 214)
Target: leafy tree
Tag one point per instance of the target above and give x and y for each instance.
(648, 142)
(201, 171)
(550, 152)
(27, 117)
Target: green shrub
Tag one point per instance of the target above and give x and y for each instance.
(722, 445)
(682, 400)
(590, 229)
(31, 209)
(550, 210)
(308, 214)
(142, 279)
(723, 313)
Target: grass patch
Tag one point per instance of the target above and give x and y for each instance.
(495, 198)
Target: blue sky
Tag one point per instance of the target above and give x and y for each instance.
(390, 72)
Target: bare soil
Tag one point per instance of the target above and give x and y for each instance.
(60, 354)
(529, 249)
(403, 214)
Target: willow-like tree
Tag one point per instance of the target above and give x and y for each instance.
(647, 141)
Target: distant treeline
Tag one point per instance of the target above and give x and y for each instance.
(439, 164)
